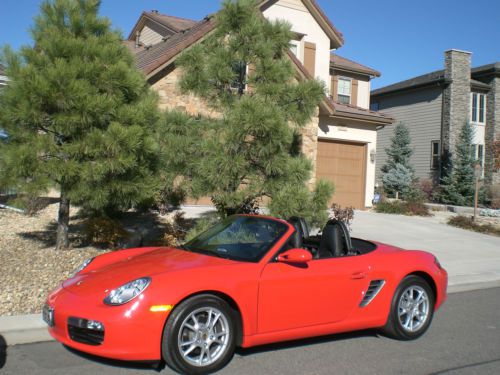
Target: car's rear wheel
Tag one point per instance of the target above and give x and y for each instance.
(412, 309)
(199, 336)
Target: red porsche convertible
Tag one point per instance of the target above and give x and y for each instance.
(247, 281)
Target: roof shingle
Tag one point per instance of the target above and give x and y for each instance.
(340, 62)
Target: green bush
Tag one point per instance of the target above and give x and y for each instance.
(395, 207)
(466, 222)
(411, 208)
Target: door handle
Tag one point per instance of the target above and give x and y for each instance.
(359, 275)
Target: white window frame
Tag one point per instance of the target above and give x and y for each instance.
(298, 43)
(350, 89)
(478, 108)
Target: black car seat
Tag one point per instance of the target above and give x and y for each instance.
(335, 240)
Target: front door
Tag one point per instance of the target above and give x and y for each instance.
(320, 292)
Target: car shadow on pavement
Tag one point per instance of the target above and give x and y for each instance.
(157, 366)
(306, 342)
(3, 351)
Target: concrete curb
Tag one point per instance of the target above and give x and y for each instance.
(25, 329)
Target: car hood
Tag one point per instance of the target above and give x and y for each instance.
(161, 260)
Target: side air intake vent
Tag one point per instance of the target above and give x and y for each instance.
(372, 291)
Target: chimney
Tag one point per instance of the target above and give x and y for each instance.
(155, 11)
(456, 98)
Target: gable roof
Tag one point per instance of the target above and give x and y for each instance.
(342, 63)
(173, 23)
(433, 78)
(486, 70)
(436, 77)
(149, 60)
(336, 37)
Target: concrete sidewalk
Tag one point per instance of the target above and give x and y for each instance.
(471, 259)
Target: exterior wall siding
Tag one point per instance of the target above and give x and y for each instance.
(149, 36)
(421, 112)
(295, 12)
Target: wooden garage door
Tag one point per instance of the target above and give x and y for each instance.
(344, 164)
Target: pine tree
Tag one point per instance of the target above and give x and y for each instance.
(397, 179)
(253, 150)
(398, 158)
(80, 117)
(459, 183)
(399, 151)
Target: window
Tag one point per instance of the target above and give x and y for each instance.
(434, 154)
(478, 108)
(295, 47)
(344, 90)
(240, 81)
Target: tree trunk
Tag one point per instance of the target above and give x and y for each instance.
(62, 241)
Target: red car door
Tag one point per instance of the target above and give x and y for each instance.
(319, 292)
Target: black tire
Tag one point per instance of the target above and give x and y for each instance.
(181, 316)
(410, 286)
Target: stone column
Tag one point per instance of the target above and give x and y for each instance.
(456, 99)
(492, 131)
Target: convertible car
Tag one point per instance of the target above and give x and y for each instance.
(247, 281)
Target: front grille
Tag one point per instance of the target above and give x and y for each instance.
(372, 291)
(48, 315)
(78, 331)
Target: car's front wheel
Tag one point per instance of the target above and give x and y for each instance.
(412, 309)
(199, 336)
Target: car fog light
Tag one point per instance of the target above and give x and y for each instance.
(95, 325)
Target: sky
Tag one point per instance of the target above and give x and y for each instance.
(400, 38)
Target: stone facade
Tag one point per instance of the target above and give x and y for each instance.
(309, 135)
(170, 97)
(492, 129)
(456, 99)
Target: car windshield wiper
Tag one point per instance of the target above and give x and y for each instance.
(209, 252)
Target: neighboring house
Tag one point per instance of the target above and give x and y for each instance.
(3, 77)
(3, 82)
(340, 140)
(436, 105)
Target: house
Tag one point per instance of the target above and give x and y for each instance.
(340, 140)
(435, 106)
(3, 77)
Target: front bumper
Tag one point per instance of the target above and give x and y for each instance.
(130, 332)
(442, 288)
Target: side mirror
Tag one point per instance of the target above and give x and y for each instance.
(300, 256)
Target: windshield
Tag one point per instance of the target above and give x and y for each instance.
(245, 238)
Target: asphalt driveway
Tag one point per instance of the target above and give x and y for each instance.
(469, 257)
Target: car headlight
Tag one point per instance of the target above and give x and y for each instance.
(83, 265)
(127, 292)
